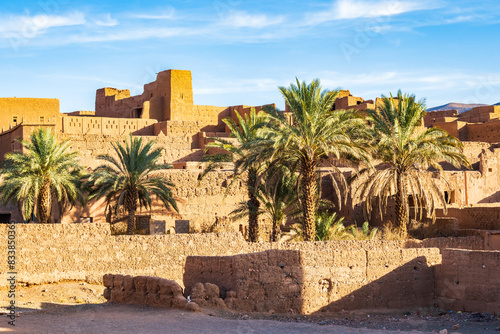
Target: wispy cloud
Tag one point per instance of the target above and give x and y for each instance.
(107, 21)
(241, 19)
(353, 9)
(30, 26)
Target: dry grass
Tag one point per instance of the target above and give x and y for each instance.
(391, 233)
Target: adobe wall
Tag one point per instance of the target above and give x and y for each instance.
(480, 114)
(55, 252)
(200, 202)
(311, 281)
(432, 116)
(482, 217)
(87, 125)
(485, 132)
(468, 281)
(329, 275)
(27, 110)
(455, 128)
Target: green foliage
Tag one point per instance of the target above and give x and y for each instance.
(130, 176)
(329, 226)
(406, 150)
(248, 163)
(45, 166)
(363, 233)
(315, 135)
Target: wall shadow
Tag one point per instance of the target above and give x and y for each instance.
(408, 286)
(290, 281)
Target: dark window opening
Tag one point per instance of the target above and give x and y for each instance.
(14, 119)
(4, 218)
(449, 197)
(137, 113)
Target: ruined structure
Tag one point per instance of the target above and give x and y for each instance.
(165, 112)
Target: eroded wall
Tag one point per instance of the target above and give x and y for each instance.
(331, 275)
(469, 281)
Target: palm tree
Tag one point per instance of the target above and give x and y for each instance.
(316, 135)
(244, 131)
(45, 171)
(277, 197)
(406, 150)
(129, 178)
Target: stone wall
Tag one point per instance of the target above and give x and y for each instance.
(469, 281)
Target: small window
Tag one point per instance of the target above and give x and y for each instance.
(14, 119)
(449, 197)
(42, 119)
(490, 169)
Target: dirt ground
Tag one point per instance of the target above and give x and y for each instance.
(78, 307)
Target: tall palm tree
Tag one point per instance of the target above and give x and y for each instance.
(245, 166)
(46, 170)
(316, 135)
(277, 197)
(129, 178)
(406, 150)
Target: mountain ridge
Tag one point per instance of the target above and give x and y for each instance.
(461, 107)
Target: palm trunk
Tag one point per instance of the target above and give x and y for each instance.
(401, 203)
(308, 200)
(276, 230)
(131, 205)
(254, 204)
(44, 203)
(131, 222)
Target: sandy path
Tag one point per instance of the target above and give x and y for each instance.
(120, 319)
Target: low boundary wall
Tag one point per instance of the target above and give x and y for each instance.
(332, 271)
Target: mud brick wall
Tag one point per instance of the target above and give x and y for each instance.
(307, 282)
(144, 290)
(469, 281)
(307, 276)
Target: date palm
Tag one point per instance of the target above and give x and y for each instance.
(246, 165)
(406, 150)
(45, 171)
(316, 136)
(130, 177)
(277, 197)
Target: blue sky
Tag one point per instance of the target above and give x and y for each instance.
(239, 51)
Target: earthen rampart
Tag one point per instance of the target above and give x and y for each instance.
(318, 275)
(468, 281)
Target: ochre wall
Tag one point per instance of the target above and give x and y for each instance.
(488, 132)
(27, 110)
(334, 275)
(321, 279)
(469, 281)
(106, 126)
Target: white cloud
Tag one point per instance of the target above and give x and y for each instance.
(107, 21)
(30, 26)
(240, 19)
(353, 9)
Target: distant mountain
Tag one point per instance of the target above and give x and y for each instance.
(461, 107)
(497, 104)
